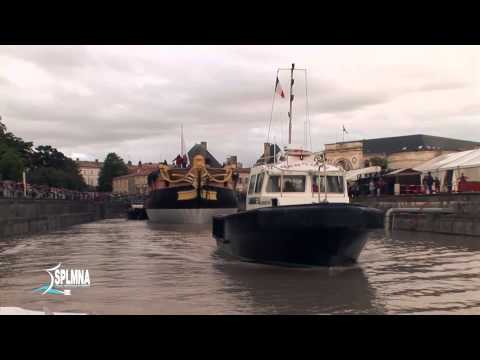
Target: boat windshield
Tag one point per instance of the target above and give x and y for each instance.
(334, 184)
(273, 184)
(291, 183)
(258, 186)
(251, 185)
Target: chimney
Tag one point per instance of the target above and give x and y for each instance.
(139, 163)
(129, 163)
(78, 159)
(96, 160)
(204, 144)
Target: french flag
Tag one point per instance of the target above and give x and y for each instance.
(279, 89)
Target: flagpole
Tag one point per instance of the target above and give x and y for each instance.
(290, 112)
(271, 111)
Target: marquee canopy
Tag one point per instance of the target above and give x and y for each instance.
(458, 160)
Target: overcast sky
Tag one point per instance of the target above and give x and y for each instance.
(91, 100)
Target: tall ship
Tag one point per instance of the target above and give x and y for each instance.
(298, 211)
(192, 191)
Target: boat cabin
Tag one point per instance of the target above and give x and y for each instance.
(298, 179)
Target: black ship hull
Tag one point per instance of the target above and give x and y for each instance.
(299, 235)
(185, 204)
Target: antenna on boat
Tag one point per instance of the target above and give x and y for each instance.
(292, 80)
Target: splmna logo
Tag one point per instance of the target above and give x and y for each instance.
(64, 279)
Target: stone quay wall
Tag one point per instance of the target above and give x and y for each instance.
(466, 220)
(438, 223)
(23, 217)
(465, 203)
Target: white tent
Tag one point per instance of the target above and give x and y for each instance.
(450, 167)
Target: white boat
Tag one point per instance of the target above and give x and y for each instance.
(297, 213)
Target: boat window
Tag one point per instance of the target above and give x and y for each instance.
(252, 184)
(258, 186)
(273, 184)
(335, 184)
(294, 183)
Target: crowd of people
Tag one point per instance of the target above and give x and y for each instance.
(13, 190)
(376, 186)
(180, 161)
(430, 184)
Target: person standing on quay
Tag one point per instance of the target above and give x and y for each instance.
(380, 185)
(425, 185)
(437, 184)
(178, 161)
(371, 187)
(429, 182)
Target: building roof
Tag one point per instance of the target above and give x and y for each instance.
(417, 142)
(209, 158)
(403, 172)
(273, 149)
(89, 164)
(144, 170)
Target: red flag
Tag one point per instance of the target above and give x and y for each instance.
(279, 89)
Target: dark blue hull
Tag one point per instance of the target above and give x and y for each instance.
(301, 235)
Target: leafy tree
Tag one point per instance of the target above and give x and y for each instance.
(11, 164)
(51, 167)
(113, 166)
(9, 140)
(3, 128)
(379, 161)
(50, 176)
(47, 165)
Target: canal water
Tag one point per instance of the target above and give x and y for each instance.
(138, 268)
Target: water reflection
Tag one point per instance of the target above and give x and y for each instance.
(434, 240)
(138, 267)
(277, 290)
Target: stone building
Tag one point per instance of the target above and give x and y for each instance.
(90, 171)
(399, 151)
(135, 183)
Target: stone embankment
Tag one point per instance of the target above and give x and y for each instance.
(22, 217)
(464, 221)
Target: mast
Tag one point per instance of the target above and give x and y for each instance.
(291, 101)
(182, 143)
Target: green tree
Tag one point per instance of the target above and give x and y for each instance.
(9, 140)
(3, 128)
(47, 165)
(11, 164)
(51, 167)
(113, 166)
(379, 161)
